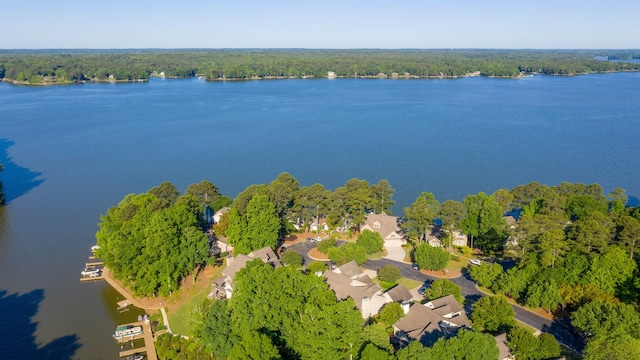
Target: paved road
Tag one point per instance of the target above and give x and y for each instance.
(561, 329)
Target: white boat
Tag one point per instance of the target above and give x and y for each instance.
(95, 247)
(90, 271)
(126, 331)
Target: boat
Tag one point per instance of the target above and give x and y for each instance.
(124, 331)
(95, 247)
(89, 271)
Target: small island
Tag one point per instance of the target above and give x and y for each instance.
(304, 272)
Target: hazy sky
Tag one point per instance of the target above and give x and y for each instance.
(610, 24)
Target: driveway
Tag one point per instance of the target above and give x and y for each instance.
(394, 250)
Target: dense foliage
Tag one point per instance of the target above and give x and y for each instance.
(130, 65)
(371, 241)
(493, 314)
(431, 258)
(443, 287)
(152, 240)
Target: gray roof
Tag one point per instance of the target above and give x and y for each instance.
(400, 293)
(345, 287)
(444, 301)
(387, 224)
(238, 263)
(350, 269)
(418, 321)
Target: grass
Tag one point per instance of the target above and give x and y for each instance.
(180, 316)
(377, 255)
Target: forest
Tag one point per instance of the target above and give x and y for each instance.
(573, 249)
(69, 66)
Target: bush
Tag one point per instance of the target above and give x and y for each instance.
(325, 245)
(431, 258)
(316, 266)
(347, 252)
(291, 258)
(389, 273)
(371, 241)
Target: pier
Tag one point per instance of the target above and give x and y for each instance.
(147, 335)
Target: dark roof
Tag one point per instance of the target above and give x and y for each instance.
(350, 269)
(400, 293)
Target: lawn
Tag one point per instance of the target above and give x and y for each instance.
(188, 298)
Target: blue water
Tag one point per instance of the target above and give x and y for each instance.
(71, 152)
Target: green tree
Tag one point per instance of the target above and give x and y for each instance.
(347, 252)
(207, 193)
(389, 314)
(431, 258)
(615, 346)
(282, 192)
(262, 226)
(421, 214)
(493, 314)
(370, 351)
(611, 270)
(443, 287)
(451, 213)
(291, 258)
(628, 236)
(215, 329)
(553, 246)
(254, 345)
(371, 241)
(327, 244)
(377, 335)
(544, 294)
(466, 345)
(599, 318)
(414, 351)
(316, 266)
(523, 344)
(485, 274)
(389, 274)
(593, 232)
(166, 193)
(382, 197)
(483, 220)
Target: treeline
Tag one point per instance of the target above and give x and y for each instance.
(64, 66)
(577, 257)
(152, 240)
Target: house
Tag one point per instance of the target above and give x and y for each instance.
(348, 281)
(223, 288)
(323, 225)
(387, 226)
(431, 321)
(218, 214)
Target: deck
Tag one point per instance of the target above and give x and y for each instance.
(147, 335)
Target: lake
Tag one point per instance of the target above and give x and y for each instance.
(71, 152)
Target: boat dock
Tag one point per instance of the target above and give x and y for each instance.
(94, 264)
(147, 335)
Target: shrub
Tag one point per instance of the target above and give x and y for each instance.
(316, 266)
(389, 273)
(347, 252)
(325, 245)
(371, 241)
(431, 258)
(291, 258)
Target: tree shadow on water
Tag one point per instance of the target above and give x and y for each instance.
(16, 180)
(17, 331)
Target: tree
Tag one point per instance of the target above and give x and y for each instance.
(347, 252)
(611, 270)
(493, 314)
(612, 346)
(629, 234)
(451, 213)
(261, 229)
(421, 214)
(526, 346)
(593, 232)
(381, 196)
(282, 192)
(291, 258)
(207, 193)
(214, 329)
(579, 206)
(466, 345)
(371, 351)
(389, 314)
(485, 274)
(377, 335)
(414, 351)
(166, 193)
(325, 245)
(254, 345)
(483, 220)
(389, 273)
(443, 287)
(316, 266)
(544, 294)
(596, 318)
(371, 241)
(553, 245)
(431, 258)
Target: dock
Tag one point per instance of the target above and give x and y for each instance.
(147, 335)
(89, 278)
(94, 264)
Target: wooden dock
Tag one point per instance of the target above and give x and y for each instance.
(147, 335)
(89, 278)
(94, 264)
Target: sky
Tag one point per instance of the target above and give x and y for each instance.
(426, 24)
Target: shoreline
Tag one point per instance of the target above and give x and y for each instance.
(293, 77)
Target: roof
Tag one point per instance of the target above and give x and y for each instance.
(418, 321)
(383, 224)
(399, 293)
(345, 287)
(510, 220)
(350, 269)
(266, 254)
(444, 301)
(238, 263)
